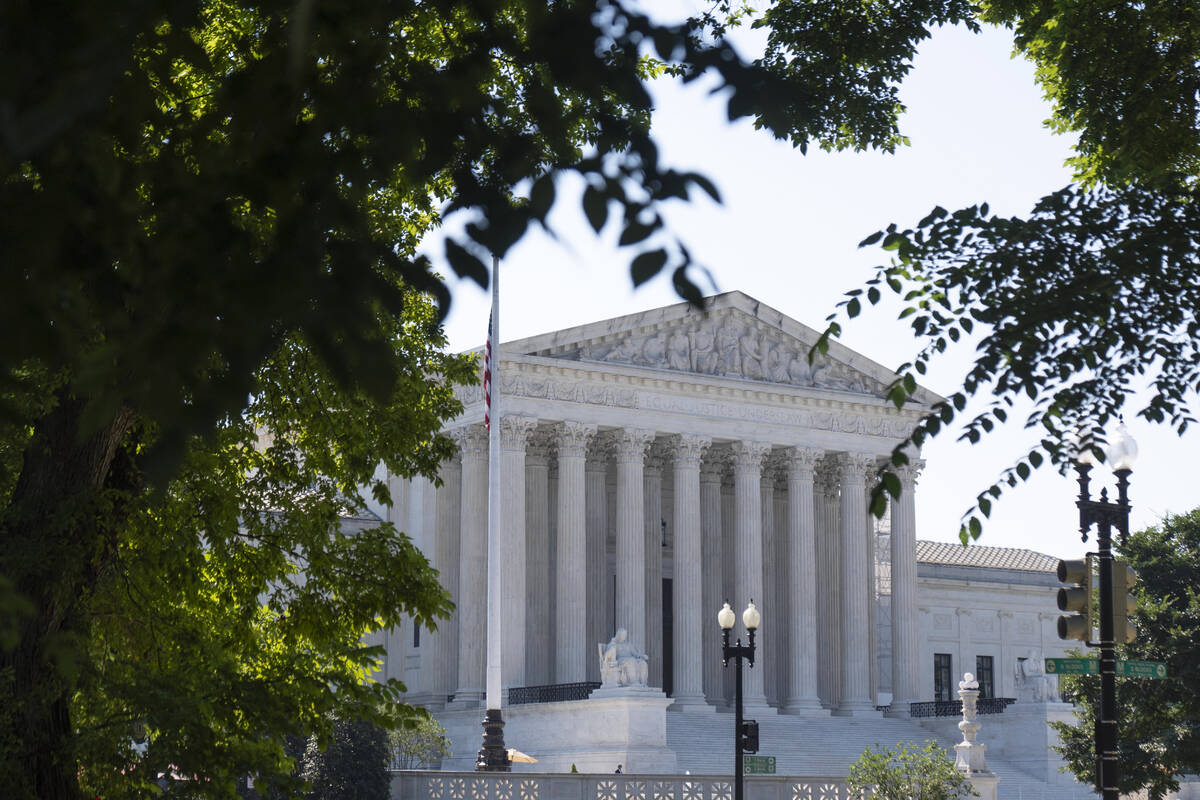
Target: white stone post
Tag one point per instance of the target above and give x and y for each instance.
(514, 434)
(630, 450)
(652, 515)
(571, 649)
(596, 499)
(969, 755)
(689, 612)
(801, 583)
(711, 470)
(906, 656)
(472, 595)
(747, 556)
(538, 658)
(856, 671)
(446, 559)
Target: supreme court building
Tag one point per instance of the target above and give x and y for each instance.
(653, 466)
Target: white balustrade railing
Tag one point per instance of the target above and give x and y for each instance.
(423, 785)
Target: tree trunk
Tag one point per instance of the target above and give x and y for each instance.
(58, 534)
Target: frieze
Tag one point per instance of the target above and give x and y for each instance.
(574, 391)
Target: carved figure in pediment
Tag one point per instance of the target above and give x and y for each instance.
(678, 351)
(752, 355)
(729, 349)
(799, 371)
(625, 351)
(776, 365)
(704, 350)
(654, 352)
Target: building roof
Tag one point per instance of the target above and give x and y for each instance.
(975, 555)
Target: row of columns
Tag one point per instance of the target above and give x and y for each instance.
(803, 553)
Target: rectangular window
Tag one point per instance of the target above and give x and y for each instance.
(986, 676)
(416, 634)
(941, 676)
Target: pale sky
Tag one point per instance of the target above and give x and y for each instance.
(786, 234)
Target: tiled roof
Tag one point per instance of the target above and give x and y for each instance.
(979, 556)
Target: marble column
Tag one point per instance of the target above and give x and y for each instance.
(596, 500)
(689, 611)
(906, 654)
(472, 596)
(872, 588)
(747, 556)
(801, 582)
(728, 564)
(652, 526)
(571, 647)
(447, 553)
(514, 435)
(829, 580)
(856, 669)
(783, 632)
(769, 630)
(538, 657)
(711, 470)
(629, 445)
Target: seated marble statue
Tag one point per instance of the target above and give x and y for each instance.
(621, 664)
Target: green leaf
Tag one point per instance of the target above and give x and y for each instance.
(465, 264)
(595, 207)
(646, 265)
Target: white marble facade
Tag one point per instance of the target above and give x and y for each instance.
(695, 450)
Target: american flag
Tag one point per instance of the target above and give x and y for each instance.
(487, 378)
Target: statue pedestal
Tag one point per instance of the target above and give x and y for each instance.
(623, 725)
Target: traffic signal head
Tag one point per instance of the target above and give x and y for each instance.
(1124, 603)
(1076, 599)
(749, 736)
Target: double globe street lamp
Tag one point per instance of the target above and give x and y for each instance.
(1106, 515)
(745, 732)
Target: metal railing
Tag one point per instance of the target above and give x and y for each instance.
(551, 693)
(953, 708)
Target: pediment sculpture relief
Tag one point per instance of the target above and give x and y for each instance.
(728, 348)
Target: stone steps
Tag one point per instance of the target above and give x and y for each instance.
(827, 746)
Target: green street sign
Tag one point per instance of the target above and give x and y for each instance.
(1142, 669)
(759, 765)
(1072, 666)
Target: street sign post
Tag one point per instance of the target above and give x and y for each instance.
(1091, 666)
(1072, 666)
(759, 765)
(1142, 669)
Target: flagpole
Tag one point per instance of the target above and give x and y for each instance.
(493, 756)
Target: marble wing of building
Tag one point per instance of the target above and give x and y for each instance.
(657, 464)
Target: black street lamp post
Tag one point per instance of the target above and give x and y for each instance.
(751, 618)
(1106, 515)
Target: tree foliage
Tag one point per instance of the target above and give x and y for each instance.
(1159, 719)
(216, 327)
(421, 742)
(1093, 293)
(352, 767)
(908, 773)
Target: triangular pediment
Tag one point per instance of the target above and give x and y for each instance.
(735, 336)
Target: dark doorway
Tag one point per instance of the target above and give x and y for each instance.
(668, 648)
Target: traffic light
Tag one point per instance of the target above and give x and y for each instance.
(1124, 603)
(749, 736)
(1076, 599)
